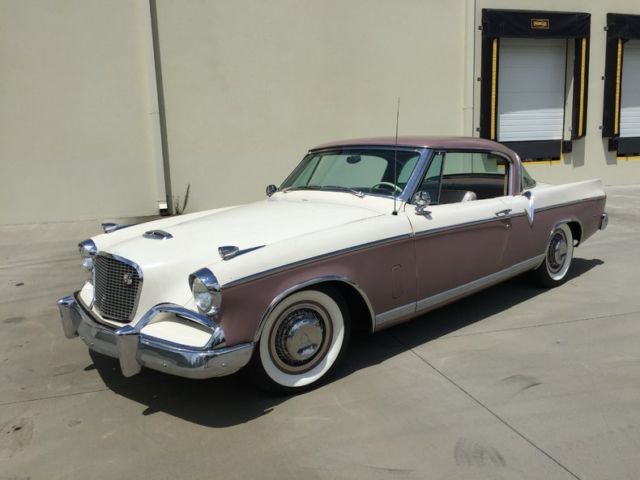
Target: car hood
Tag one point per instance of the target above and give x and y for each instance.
(284, 219)
(246, 227)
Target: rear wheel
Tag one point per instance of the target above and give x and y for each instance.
(558, 256)
(302, 340)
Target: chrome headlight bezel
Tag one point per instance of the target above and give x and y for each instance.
(206, 292)
(88, 250)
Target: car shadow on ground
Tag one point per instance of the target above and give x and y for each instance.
(232, 400)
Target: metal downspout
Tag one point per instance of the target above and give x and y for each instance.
(157, 110)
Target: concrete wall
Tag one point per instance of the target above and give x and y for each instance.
(590, 158)
(75, 134)
(250, 86)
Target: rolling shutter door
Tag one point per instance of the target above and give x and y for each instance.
(630, 95)
(531, 89)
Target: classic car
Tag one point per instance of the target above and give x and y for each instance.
(363, 233)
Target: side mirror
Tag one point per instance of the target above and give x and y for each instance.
(422, 200)
(271, 189)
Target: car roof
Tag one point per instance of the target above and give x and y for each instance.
(462, 143)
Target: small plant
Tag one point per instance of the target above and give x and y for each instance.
(176, 201)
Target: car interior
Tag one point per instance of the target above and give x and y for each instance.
(454, 177)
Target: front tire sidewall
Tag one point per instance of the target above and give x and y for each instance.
(286, 381)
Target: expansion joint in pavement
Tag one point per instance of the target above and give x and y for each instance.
(485, 407)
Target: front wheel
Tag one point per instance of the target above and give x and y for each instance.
(558, 256)
(302, 340)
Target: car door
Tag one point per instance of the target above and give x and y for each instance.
(460, 238)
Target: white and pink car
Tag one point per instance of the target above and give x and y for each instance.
(364, 233)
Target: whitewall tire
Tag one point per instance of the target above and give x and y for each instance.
(302, 340)
(558, 257)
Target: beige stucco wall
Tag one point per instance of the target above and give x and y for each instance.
(75, 135)
(249, 85)
(590, 158)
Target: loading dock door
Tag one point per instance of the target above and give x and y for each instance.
(531, 83)
(630, 95)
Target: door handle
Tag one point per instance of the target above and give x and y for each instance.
(503, 213)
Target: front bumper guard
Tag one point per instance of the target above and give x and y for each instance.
(134, 349)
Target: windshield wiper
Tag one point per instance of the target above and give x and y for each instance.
(301, 187)
(338, 188)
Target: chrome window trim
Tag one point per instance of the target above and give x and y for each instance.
(138, 270)
(323, 279)
(413, 178)
(410, 310)
(317, 258)
(436, 151)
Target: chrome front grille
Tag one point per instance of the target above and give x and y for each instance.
(117, 284)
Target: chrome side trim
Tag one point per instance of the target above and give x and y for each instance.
(227, 252)
(458, 226)
(317, 258)
(308, 283)
(397, 315)
(566, 204)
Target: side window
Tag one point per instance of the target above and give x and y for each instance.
(527, 180)
(431, 182)
(466, 176)
(407, 169)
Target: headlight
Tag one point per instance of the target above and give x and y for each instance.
(206, 291)
(88, 251)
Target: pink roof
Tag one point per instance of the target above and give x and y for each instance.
(423, 142)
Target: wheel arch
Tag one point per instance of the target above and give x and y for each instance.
(574, 225)
(360, 308)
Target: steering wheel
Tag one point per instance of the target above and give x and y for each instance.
(390, 185)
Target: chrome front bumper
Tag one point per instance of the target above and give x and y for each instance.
(134, 349)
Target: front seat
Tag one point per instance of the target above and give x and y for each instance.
(455, 196)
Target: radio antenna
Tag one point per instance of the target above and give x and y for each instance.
(395, 162)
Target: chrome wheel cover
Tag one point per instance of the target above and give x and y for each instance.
(300, 337)
(557, 251)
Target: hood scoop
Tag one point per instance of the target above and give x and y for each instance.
(227, 252)
(157, 235)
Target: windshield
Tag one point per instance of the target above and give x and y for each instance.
(358, 171)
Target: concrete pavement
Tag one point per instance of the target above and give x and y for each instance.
(515, 382)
